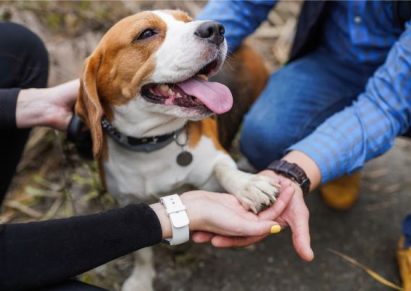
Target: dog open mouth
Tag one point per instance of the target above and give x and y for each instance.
(194, 93)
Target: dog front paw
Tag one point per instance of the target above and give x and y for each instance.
(258, 193)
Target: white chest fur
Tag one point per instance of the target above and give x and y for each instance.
(148, 175)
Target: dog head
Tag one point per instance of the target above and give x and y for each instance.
(153, 66)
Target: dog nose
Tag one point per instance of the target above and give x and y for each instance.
(212, 31)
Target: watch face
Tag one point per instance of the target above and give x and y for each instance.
(179, 219)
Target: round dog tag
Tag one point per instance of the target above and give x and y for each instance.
(184, 158)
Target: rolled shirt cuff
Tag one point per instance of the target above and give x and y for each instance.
(326, 151)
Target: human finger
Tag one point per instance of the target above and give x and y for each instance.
(301, 233)
(201, 236)
(279, 205)
(229, 242)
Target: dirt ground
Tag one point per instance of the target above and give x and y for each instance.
(52, 181)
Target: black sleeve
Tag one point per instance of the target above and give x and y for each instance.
(41, 253)
(8, 102)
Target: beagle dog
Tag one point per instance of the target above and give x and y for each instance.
(146, 97)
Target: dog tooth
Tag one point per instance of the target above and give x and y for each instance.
(202, 77)
(179, 95)
(164, 88)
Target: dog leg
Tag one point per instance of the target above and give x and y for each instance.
(254, 191)
(141, 279)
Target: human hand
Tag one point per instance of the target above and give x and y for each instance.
(288, 210)
(295, 214)
(218, 214)
(47, 107)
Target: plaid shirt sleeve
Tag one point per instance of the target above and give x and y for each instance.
(344, 142)
(240, 18)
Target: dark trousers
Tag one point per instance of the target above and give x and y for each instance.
(72, 285)
(23, 64)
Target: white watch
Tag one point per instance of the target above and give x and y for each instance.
(178, 217)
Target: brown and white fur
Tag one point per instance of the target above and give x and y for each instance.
(111, 85)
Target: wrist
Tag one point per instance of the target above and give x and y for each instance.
(193, 207)
(180, 223)
(29, 108)
(307, 164)
(293, 172)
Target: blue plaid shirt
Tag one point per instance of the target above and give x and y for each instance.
(361, 32)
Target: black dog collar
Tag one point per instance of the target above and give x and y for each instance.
(79, 135)
(145, 144)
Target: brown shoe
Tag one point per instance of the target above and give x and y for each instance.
(342, 193)
(404, 263)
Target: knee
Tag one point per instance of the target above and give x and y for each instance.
(263, 141)
(27, 42)
(30, 51)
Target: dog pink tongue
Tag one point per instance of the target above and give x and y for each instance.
(216, 96)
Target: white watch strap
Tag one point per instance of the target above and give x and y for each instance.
(178, 218)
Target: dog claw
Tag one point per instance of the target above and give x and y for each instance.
(258, 193)
(248, 204)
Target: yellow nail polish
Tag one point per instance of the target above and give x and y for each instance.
(275, 229)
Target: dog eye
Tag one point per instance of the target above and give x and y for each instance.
(146, 34)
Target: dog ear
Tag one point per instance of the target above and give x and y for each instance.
(88, 105)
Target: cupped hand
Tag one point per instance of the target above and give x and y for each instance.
(62, 98)
(288, 210)
(223, 214)
(52, 107)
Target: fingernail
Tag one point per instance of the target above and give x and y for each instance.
(275, 229)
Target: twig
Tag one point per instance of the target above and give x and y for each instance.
(53, 209)
(7, 216)
(23, 209)
(370, 272)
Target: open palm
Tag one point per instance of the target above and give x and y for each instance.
(289, 210)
